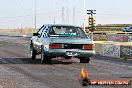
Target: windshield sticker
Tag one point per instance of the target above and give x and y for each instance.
(68, 34)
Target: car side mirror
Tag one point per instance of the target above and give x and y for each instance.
(35, 34)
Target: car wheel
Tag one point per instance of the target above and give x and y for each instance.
(44, 58)
(84, 60)
(32, 53)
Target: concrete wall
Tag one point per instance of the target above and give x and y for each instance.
(117, 37)
(99, 48)
(114, 50)
(113, 37)
(126, 52)
(111, 50)
(99, 37)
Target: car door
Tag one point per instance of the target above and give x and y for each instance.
(38, 39)
(41, 38)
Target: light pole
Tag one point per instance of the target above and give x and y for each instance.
(54, 11)
(84, 15)
(35, 15)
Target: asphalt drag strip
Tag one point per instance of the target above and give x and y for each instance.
(17, 70)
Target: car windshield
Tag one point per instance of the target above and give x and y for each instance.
(66, 31)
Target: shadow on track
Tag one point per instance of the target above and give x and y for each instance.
(30, 61)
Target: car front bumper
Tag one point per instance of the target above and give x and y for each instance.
(76, 53)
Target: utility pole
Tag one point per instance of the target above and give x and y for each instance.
(63, 15)
(84, 16)
(91, 20)
(67, 15)
(74, 15)
(54, 12)
(35, 15)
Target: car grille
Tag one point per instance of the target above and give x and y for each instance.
(73, 46)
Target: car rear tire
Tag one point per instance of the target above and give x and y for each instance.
(32, 53)
(84, 60)
(45, 58)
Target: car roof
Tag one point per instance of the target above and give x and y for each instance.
(60, 25)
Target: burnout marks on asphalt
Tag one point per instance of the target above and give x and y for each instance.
(2, 61)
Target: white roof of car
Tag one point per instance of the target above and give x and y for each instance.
(60, 25)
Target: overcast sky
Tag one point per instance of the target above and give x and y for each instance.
(20, 13)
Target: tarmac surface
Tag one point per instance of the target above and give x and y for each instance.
(17, 70)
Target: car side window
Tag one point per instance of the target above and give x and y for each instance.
(45, 32)
(40, 31)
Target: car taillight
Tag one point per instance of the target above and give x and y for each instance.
(55, 46)
(89, 47)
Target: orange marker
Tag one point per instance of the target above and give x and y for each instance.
(84, 78)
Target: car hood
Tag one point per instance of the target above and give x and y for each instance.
(73, 40)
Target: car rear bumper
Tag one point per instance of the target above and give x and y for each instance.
(63, 52)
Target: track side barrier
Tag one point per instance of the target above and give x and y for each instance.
(113, 37)
(126, 52)
(122, 51)
(111, 32)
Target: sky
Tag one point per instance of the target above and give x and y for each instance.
(21, 13)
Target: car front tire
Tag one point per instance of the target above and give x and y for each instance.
(32, 53)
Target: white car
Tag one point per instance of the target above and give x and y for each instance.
(61, 41)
